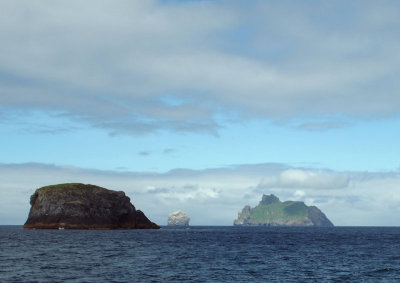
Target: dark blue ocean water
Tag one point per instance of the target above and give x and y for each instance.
(201, 254)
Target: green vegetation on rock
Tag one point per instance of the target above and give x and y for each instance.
(272, 212)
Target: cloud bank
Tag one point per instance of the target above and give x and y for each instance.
(215, 196)
(144, 66)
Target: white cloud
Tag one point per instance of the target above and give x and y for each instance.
(214, 196)
(299, 194)
(306, 178)
(262, 59)
(312, 179)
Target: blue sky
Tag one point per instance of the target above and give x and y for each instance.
(370, 145)
(299, 92)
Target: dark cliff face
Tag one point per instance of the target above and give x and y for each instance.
(318, 218)
(79, 206)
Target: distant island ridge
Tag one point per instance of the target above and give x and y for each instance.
(272, 212)
(80, 206)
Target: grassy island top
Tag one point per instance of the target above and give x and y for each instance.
(273, 212)
(271, 208)
(76, 192)
(73, 186)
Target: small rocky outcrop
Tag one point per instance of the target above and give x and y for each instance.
(272, 212)
(80, 206)
(178, 218)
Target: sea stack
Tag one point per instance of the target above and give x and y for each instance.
(272, 212)
(178, 218)
(80, 206)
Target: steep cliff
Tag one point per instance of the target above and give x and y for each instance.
(272, 212)
(80, 206)
(178, 218)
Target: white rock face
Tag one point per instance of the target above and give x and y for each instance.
(178, 218)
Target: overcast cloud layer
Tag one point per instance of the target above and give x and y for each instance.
(143, 66)
(215, 196)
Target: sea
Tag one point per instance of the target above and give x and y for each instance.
(201, 254)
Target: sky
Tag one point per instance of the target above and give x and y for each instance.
(203, 106)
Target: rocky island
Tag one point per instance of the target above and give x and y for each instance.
(272, 212)
(80, 206)
(178, 218)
